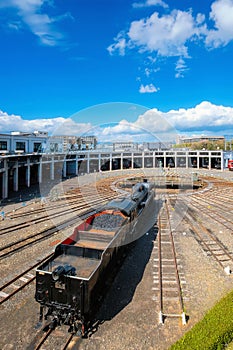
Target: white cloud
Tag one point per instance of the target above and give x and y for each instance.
(167, 35)
(148, 89)
(14, 122)
(148, 71)
(154, 124)
(119, 128)
(205, 117)
(14, 25)
(155, 121)
(181, 68)
(124, 130)
(55, 126)
(30, 13)
(222, 15)
(148, 3)
(170, 34)
(72, 127)
(119, 45)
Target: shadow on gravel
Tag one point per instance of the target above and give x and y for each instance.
(25, 194)
(122, 287)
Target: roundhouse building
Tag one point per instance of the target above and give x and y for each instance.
(20, 170)
(21, 142)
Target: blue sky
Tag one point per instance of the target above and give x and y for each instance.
(169, 58)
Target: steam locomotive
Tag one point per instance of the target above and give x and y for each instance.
(70, 284)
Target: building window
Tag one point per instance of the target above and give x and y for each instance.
(3, 145)
(37, 147)
(53, 147)
(20, 146)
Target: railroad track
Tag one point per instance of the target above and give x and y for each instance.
(68, 210)
(207, 234)
(51, 339)
(214, 198)
(210, 244)
(90, 194)
(81, 212)
(14, 247)
(168, 282)
(45, 207)
(19, 282)
(213, 214)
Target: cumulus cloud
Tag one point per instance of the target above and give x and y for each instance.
(71, 127)
(153, 123)
(55, 126)
(122, 131)
(167, 35)
(222, 16)
(148, 3)
(30, 13)
(205, 115)
(170, 34)
(119, 128)
(148, 89)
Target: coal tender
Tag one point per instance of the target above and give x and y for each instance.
(70, 284)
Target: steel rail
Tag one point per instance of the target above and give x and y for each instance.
(192, 223)
(200, 230)
(23, 243)
(160, 271)
(213, 201)
(213, 215)
(5, 296)
(175, 261)
(43, 339)
(16, 227)
(164, 224)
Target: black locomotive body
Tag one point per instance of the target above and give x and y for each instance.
(70, 284)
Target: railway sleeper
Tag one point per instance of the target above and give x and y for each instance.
(162, 317)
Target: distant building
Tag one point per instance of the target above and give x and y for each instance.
(154, 146)
(145, 146)
(55, 144)
(125, 146)
(39, 142)
(87, 142)
(75, 143)
(202, 138)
